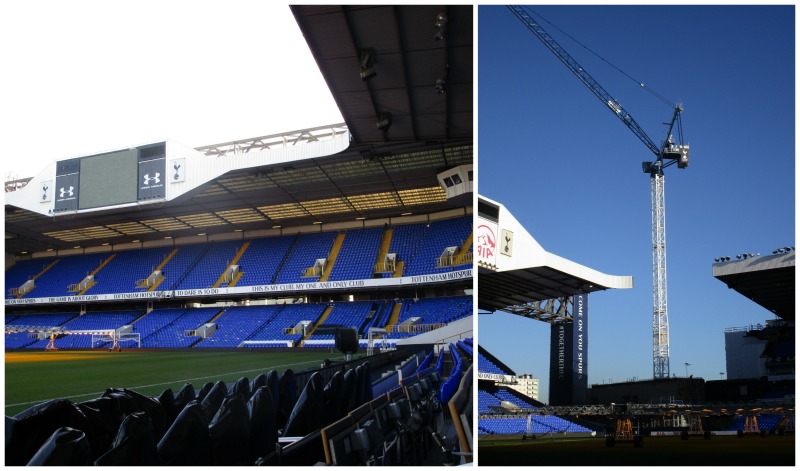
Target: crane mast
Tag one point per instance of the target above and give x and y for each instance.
(667, 154)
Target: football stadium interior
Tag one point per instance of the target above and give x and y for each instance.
(344, 239)
(517, 276)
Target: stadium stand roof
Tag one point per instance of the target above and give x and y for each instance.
(382, 173)
(768, 281)
(515, 272)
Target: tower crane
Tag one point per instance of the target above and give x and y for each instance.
(669, 153)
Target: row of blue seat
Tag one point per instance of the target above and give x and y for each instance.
(535, 424)
(166, 328)
(485, 365)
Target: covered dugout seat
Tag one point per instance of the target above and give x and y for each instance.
(65, 447)
(263, 429)
(308, 413)
(134, 445)
(27, 431)
(187, 442)
(230, 433)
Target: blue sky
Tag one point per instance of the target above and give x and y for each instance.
(570, 171)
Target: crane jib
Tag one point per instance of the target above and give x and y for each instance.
(586, 78)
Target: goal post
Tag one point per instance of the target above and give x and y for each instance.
(117, 339)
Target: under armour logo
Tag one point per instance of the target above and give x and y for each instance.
(177, 175)
(156, 178)
(65, 192)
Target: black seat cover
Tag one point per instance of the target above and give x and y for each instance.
(308, 414)
(287, 396)
(65, 447)
(187, 442)
(134, 445)
(27, 431)
(213, 400)
(263, 430)
(230, 433)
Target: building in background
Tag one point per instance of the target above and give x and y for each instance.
(527, 385)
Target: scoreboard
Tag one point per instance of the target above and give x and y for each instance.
(113, 178)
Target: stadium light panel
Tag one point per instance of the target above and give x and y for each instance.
(283, 211)
(422, 196)
(239, 216)
(165, 224)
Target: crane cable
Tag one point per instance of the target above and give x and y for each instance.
(641, 84)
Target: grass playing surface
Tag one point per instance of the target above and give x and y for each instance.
(35, 377)
(749, 450)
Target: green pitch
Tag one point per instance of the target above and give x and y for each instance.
(35, 377)
(772, 450)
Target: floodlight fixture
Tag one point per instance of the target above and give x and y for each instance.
(441, 26)
(367, 70)
(384, 122)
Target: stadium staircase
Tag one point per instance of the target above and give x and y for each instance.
(158, 268)
(394, 315)
(319, 322)
(398, 269)
(285, 258)
(331, 260)
(210, 321)
(216, 316)
(383, 251)
(233, 262)
(386, 242)
(139, 318)
(194, 263)
(81, 290)
(464, 248)
(20, 293)
(372, 317)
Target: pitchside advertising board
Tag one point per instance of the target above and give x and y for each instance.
(260, 290)
(109, 179)
(569, 357)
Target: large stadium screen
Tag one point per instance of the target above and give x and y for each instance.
(108, 179)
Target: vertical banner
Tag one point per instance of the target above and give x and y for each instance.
(152, 172)
(569, 359)
(68, 174)
(560, 364)
(580, 316)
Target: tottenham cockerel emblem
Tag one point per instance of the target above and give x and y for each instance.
(508, 238)
(155, 178)
(66, 192)
(177, 174)
(44, 192)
